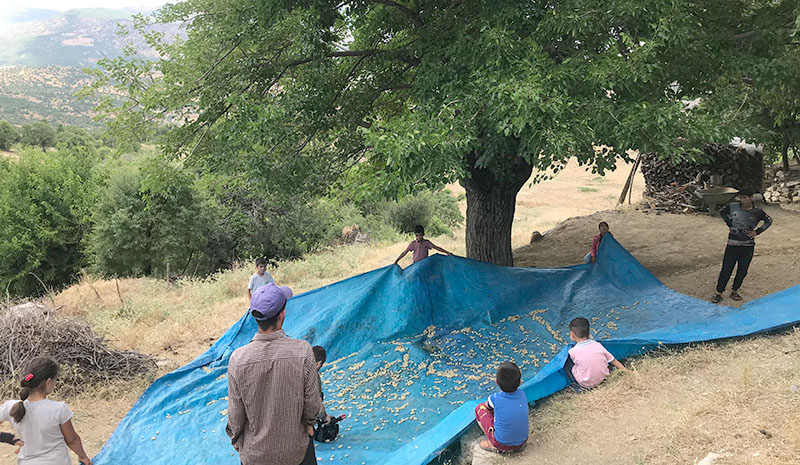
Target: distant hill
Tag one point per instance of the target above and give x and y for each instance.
(44, 52)
(75, 38)
(44, 93)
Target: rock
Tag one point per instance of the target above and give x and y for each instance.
(710, 458)
(766, 433)
(353, 235)
(780, 175)
(29, 308)
(794, 388)
(536, 236)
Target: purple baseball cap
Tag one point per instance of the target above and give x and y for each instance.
(268, 300)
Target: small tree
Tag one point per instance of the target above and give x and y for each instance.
(147, 217)
(39, 134)
(44, 213)
(8, 135)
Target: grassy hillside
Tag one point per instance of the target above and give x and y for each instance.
(44, 93)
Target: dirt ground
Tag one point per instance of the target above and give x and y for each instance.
(683, 251)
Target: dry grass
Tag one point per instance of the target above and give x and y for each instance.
(739, 398)
(180, 320)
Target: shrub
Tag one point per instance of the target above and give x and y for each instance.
(149, 214)
(8, 135)
(437, 212)
(44, 219)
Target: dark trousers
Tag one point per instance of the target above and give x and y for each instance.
(740, 257)
(311, 456)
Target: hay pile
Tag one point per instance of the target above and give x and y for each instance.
(33, 329)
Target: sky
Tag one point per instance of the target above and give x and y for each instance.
(9, 6)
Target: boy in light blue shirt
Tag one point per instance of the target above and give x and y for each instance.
(504, 416)
(260, 278)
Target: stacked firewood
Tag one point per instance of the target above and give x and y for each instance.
(670, 185)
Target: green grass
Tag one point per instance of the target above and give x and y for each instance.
(588, 189)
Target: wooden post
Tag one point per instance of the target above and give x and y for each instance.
(629, 182)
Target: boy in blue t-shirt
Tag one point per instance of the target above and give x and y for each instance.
(504, 416)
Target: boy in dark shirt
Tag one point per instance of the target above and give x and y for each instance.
(742, 218)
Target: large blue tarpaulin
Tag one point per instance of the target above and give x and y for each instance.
(411, 352)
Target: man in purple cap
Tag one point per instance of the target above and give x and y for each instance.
(273, 390)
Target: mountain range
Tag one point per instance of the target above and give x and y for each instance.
(43, 55)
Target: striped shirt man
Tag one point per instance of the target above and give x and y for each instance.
(272, 396)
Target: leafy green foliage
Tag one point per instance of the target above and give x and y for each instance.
(437, 212)
(8, 135)
(147, 216)
(45, 202)
(38, 133)
(292, 96)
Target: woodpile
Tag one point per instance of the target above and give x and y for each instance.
(782, 187)
(86, 359)
(670, 185)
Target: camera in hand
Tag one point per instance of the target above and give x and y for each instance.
(327, 431)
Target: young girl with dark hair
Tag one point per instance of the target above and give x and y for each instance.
(44, 425)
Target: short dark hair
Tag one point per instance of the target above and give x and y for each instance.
(319, 353)
(418, 229)
(508, 376)
(601, 224)
(747, 192)
(271, 323)
(261, 261)
(579, 326)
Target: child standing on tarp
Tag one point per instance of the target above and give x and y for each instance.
(420, 246)
(45, 425)
(504, 416)
(591, 257)
(587, 364)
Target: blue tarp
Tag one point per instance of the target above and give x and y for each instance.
(411, 352)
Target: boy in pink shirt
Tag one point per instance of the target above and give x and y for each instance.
(419, 246)
(588, 361)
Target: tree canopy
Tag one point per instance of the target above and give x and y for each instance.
(403, 95)
(38, 133)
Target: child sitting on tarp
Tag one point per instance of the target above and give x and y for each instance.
(587, 364)
(504, 416)
(591, 257)
(320, 356)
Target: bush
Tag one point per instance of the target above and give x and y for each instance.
(149, 214)
(44, 219)
(8, 135)
(437, 212)
(39, 134)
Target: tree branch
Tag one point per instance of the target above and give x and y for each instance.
(413, 15)
(451, 6)
(340, 54)
(223, 57)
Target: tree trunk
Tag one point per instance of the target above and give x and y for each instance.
(490, 210)
(785, 158)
